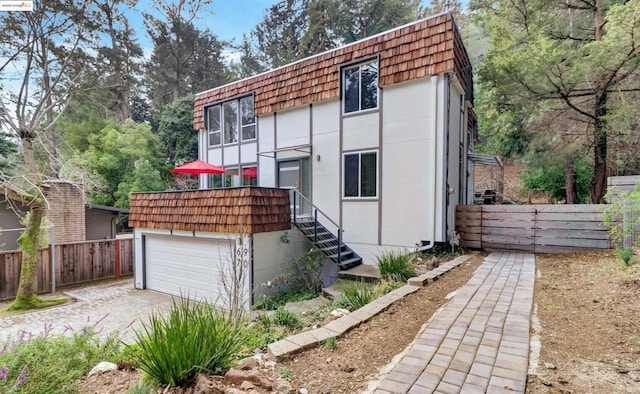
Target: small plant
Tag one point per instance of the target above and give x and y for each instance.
(141, 388)
(191, 337)
(636, 340)
(286, 373)
(287, 319)
(355, 295)
(625, 255)
(395, 265)
(330, 343)
(52, 364)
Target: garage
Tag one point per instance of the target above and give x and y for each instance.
(184, 241)
(185, 265)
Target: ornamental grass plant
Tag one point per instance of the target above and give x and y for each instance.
(190, 338)
(395, 265)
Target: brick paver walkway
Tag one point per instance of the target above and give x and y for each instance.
(479, 342)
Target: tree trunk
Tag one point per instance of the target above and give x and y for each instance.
(570, 182)
(598, 184)
(30, 240)
(30, 243)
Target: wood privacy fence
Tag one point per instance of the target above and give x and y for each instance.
(76, 262)
(533, 228)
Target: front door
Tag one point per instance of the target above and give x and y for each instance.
(296, 174)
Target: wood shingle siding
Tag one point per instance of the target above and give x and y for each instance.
(246, 210)
(427, 47)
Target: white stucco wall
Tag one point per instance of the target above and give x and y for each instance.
(326, 144)
(407, 165)
(292, 127)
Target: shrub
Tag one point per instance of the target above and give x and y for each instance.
(141, 388)
(190, 338)
(355, 295)
(287, 319)
(395, 265)
(330, 343)
(284, 295)
(52, 364)
(625, 254)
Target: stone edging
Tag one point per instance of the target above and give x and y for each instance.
(307, 339)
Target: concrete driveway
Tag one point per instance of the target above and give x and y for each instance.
(108, 307)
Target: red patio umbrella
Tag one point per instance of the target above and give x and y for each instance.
(198, 167)
(250, 172)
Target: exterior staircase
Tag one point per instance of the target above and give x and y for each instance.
(305, 218)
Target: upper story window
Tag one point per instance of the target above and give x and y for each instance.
(230, 121)
(360, 87)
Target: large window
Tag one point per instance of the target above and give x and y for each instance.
(231, 121)
(361, 174)
(360, 87)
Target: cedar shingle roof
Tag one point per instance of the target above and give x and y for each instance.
(427, 47)
(246, 210)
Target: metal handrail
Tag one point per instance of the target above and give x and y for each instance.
(315, 210)
(295, 191)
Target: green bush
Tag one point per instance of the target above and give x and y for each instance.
(395, 265)
(284, 295)
(625, 254)
(287, 319)
(355, 295)
(52, 364)
(191, 338)
(141, 388)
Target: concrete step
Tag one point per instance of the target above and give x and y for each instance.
(362, 272)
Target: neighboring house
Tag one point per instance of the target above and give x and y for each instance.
(73, 220)
(375, 134)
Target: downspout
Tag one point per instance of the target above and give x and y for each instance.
(434, 154)
(447, 121)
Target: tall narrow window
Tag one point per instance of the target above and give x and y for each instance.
(230, 114)
(213, 125)
(247, 119)
(361, 174)
(360, 87)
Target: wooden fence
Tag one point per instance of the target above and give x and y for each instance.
(532, 228)
(76, 262)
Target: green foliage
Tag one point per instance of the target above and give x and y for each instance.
(614, 213)
(330, 343)
(286, 373)
(284, 296)
(125, 158)
(191, 338)
(625, 255)
(550, 177)
(177, 136)
(263, 332)
(355, 295)
(301, 281)
(35, 302)
(141, 388)
(395, 265)
(52, 364)
(287, 319)
(548, 80)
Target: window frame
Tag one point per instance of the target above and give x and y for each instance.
(209, 131)
(377, 175)
(359, 65)
(239, 119)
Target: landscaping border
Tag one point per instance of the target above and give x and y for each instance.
(307, 339)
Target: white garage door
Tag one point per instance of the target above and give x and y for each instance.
(186, 265)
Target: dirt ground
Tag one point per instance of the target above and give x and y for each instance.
(588, 309)
(589, 331)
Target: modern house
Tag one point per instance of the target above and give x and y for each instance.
(373, 141)
(375, 135)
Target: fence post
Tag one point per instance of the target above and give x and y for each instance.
(117, 267)
(52, 256)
